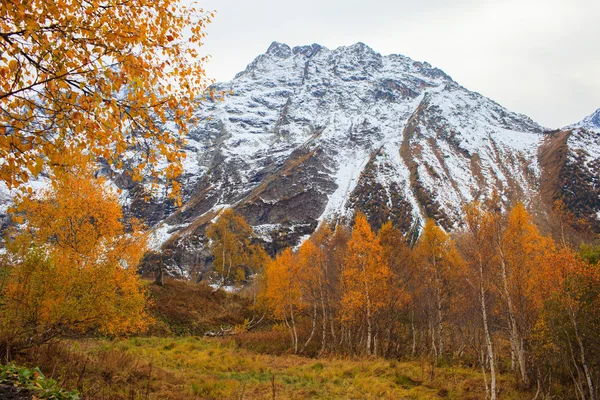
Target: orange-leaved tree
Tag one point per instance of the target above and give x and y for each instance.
(71, 267)
(230, 246)
(283, 291)
(365, 277)
(566, 333)
(328, 280)
(442, 269)
(312, 279)
(522, 252)
(396, 254)
(481, 258)
(102, 77)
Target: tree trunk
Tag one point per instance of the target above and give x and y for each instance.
(488, 339)
(314, 325)
(223, 276)
(485, 383)
(324, 318)
(434, 349)
(287, 323)
(160, 274)
(413, 351)
(516, 340)
(586, 369)
(438, 292)
(368, 306)
(295, 333)
(576, 380)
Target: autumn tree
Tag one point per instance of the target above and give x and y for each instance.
(566, 332)
(328, 279)
(312, 280)
(230, 244)
(256, 266)
(338, 248)
(365, 277)
(481, 258)
(522, 250)
(284, 291)
(100, 77)
(71, 267)
(441, 268)
(398, 256)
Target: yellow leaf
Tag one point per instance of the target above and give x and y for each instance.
(13, 65)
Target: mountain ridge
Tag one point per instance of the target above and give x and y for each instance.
(312, 134)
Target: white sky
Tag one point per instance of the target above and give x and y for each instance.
(537, 57)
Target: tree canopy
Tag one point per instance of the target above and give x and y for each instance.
(101, 77)
(72, 265)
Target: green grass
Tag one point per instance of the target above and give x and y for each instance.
(195, 368)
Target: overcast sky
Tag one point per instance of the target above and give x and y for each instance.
(537, 57)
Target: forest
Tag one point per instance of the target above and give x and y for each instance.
(498, 295)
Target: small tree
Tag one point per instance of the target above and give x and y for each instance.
(397, 255)
(284, 291)
(72, 266)
(522, 250)
(481, 257)
(365, 277)
(230, 245)
(441, 266)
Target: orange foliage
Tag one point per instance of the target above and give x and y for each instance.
(366, 273)
(397, 255)
(442, 269)
(100, 77)
(525, 253)
(284, 291)
(72, 267)
(376, 290)
(230, 245)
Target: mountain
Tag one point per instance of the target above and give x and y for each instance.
(590, 123)
(575, 169)
(308, 134)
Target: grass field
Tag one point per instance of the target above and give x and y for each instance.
(197, 368)
(176, 363)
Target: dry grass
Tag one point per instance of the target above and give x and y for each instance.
(251, 365)
(185, 308)
(194, 368)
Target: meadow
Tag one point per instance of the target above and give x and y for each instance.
(199, 368)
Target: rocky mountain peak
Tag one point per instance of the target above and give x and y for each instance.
(308, 50)
(279, 50)
(591, 122)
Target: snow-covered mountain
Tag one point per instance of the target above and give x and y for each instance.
(590, 123)
(309, 134)
(577, 181)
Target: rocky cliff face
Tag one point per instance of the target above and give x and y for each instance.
(309, 134)
(579, 177)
